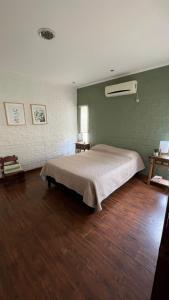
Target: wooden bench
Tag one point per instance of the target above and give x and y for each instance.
(15, 173)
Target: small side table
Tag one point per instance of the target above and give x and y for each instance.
(162, 160)
(82, 146)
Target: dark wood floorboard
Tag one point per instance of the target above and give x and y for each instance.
(53, 247)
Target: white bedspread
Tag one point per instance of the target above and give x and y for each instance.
(95, 174)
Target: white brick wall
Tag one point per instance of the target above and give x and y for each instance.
(34, 144)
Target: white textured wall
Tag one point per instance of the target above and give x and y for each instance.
(34, 144)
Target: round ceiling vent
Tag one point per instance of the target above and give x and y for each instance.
(46, 33)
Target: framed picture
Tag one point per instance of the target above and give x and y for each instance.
(39, 115)
(15, 113)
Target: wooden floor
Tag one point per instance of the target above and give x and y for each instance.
(53, 247)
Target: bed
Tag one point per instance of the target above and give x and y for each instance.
(96, 173)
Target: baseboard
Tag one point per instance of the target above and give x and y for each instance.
(33, 170)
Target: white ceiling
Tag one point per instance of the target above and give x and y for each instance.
(92, 36)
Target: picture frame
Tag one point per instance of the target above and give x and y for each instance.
(39, 114)
(15, 113)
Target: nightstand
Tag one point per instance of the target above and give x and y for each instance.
(163, 161)
(79, 146)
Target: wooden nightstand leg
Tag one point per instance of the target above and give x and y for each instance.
(150, 170)
(153, 170)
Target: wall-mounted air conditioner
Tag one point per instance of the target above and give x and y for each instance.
(125, 88)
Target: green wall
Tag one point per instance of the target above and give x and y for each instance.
(120, 121)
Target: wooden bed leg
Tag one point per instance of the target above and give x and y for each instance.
(92, 210)
(49, 182)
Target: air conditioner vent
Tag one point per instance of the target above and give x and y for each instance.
(125, 88)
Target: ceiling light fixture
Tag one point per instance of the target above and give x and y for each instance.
(111, 70)
(46, 33)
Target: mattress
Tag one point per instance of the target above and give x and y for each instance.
(96, 173)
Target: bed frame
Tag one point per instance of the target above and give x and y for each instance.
(51, 181)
